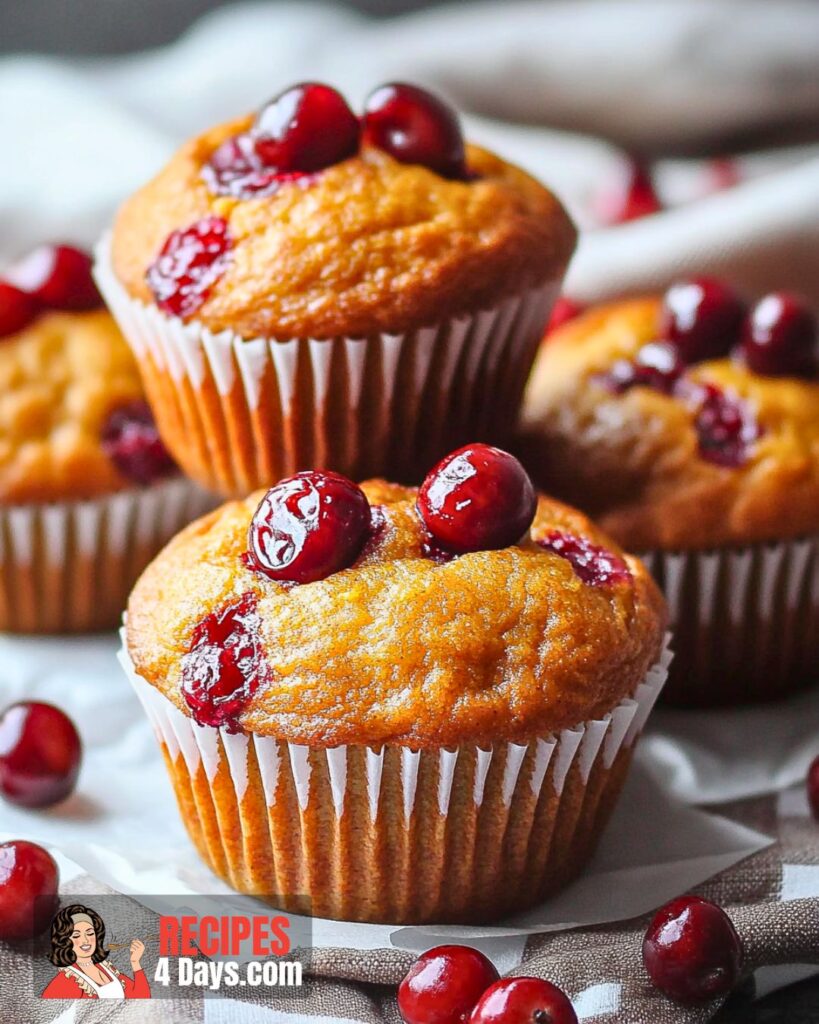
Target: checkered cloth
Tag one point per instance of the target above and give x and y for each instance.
(772, 897)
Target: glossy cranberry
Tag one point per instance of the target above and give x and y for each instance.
(702, 317)
(415, 127)
(225, 665)
(132, 442)
(563, 311)
(29, 879)
(190, 262)
(725, 425)
(633, 197)
(444, 984)
(17, 309)
(523, 1001)
(813, 787)
(780, 337)
(308, 527)
(691, 950)
(235, 169)
(592, 563)
(57, 276)
(476, 499)
(39, 754)
(657, 365)
(305, 128)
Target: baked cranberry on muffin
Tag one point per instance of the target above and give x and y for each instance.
(357, 293)
(426, 700)
(688, 425)
(82, 467)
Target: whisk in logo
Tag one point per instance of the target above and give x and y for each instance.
(171, 947)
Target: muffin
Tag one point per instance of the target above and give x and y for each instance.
(306, 289)
(689, 428)
(88, 493)
(382, 704)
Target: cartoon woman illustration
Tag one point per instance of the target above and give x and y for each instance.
(78, 949)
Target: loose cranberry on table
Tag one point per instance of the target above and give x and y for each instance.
(225, 665)
(478, 498)
(813, 787)
(415, 127)
(29, 879)
(306, 128)
(444, 984)
(633, 197)
(692, 951)
(132, 442)
(781, 337)
(58, 277)
(17, 309)
(40, 753)
(190, 262)
(308, 527)
(702, 318)
(523, 1001)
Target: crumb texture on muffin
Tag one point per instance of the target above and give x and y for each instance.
(59, 380)
(366, 246)
(631, 460)
(492, 646)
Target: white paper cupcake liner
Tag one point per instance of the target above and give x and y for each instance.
(69, 566)
(394, 834)
(745, 621)
(241, 413)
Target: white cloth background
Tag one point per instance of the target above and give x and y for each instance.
(657, 77)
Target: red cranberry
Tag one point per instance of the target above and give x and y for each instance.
(39, 754)
(308, 527)
(235, 169)
(780, 337)
(444, 984)
(190, 262)
(305, 128)
(17, 309)
(29, 879)
(523, 1001)
(813, 787)
(132, 442)
(59, 277)
(415, 127)
(725, 425)
(225, 665)
(635, 196)
(702, 317)
(593, 564)
(563, 311)
(691, 950)
(724, 173)
(657, 365)
(476, 499)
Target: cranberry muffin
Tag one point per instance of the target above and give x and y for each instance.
(305, 288)
(88, 493)
(406, 705)
(688, 426)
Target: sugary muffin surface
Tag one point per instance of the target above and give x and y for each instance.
(363, 246)
(632, 459)
(60, 378)
(490, 646)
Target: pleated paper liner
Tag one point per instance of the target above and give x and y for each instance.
(392, 834)
(745, 621)
(68, 567)
(238, 414)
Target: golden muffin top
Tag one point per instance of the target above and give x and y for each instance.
(679, 456)
(401, 645)
(365, 245)
(73, 422)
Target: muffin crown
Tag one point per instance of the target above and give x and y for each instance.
(499, 645)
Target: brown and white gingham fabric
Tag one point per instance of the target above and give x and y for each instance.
(600, 967)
